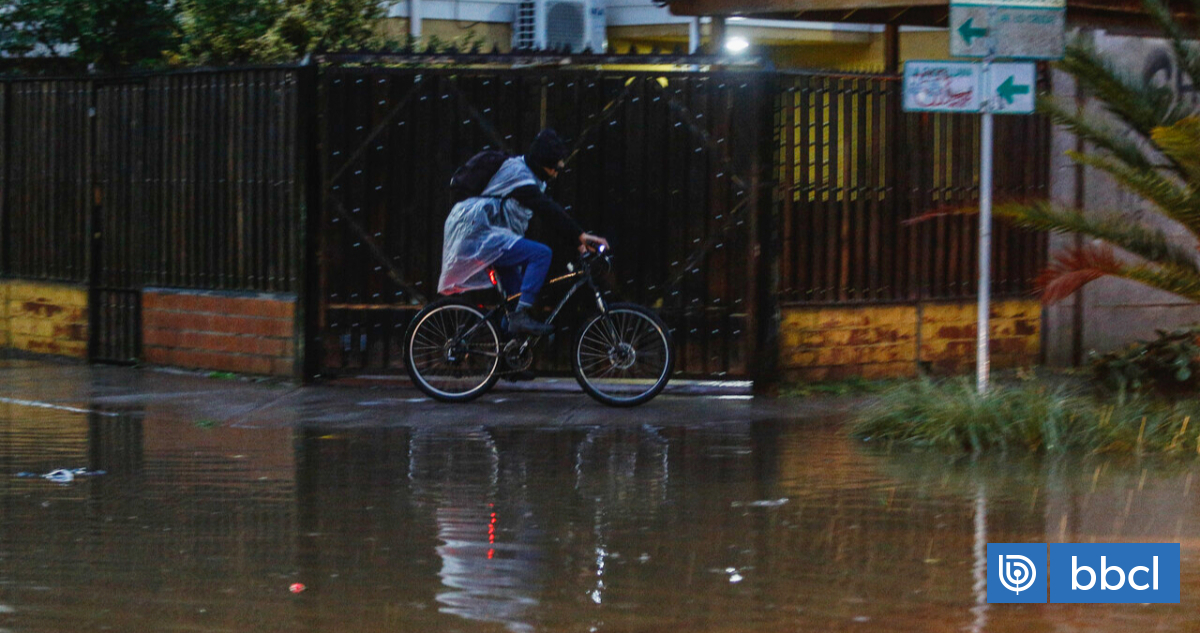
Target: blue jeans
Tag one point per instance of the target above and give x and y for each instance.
(524, 265)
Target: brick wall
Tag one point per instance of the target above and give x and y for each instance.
(949, 330)
(46, 318)
(897, 341)
(246, 333)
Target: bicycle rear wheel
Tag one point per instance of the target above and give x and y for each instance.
(625, 357)
(451, 351)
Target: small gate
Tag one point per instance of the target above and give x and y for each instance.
(118, 221)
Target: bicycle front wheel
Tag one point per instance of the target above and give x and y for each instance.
(625, 357)
(452, 351)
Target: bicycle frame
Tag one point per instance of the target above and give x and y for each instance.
(583, 278)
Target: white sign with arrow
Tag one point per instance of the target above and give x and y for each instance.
(1015, 29)
(945, 86)
(1012, 87)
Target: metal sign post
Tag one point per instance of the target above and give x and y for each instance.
(1026, 29)
(982, 358)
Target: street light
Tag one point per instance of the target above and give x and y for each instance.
(736, 44)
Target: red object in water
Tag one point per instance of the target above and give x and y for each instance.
(296, 587)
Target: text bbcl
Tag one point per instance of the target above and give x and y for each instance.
(1131, 573)
(1107, 572)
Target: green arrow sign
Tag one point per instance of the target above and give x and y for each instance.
(1008, 90)
(969, 32)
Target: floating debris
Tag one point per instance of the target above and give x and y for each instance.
(763, 503)
(64, 475)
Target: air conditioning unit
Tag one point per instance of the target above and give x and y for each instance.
(575, 25)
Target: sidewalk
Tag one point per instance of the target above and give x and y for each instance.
(106, 390)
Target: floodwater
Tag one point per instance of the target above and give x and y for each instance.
(747, 527)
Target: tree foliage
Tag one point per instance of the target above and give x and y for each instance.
(109, 34)
(117, 34)
(1152, 148)
(266, 31)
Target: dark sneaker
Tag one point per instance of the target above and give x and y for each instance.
(520, 322)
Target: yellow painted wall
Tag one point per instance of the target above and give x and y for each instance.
(925, 45)
(45, 318)
(835, 343)
(832, 343)
(5, 328)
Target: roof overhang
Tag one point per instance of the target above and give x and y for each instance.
(1114, 15)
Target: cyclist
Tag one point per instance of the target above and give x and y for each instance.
(488, 231)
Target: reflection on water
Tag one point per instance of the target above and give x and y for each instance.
(751, 527)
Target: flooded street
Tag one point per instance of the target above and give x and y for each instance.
(535, 513)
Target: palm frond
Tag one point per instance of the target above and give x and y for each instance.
(1139, 106)
(1186, 53)
(1177, 282)
(1181, 142)
(1150, 244)
(1077, 267)
(1074, 269)
(1175, 201)
(1084, 126)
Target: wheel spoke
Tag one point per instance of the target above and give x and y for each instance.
(439, 336)
(623, 355)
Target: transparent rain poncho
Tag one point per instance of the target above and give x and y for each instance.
(478, 231)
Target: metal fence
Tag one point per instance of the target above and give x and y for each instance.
(854, 170)
(186, 179)
(46, 186)
(703, 180)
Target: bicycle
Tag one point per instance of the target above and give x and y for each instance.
(456, 350)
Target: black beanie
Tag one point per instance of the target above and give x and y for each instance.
(546, 150)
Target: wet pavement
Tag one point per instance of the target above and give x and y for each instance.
(526, 512)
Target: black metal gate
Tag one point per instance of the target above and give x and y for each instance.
(667, 165)
(118, 221)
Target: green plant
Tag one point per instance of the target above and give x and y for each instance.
(1168, 364)
(111, 34)
(266, 31)
(1150, 145)
(1027, 417)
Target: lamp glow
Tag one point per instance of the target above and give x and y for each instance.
(736, 44)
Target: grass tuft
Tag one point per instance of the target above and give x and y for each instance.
(1027, 417)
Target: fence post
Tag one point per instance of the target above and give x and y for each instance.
(5, 209)
(95, 227)
(764, 258)
(309, 185)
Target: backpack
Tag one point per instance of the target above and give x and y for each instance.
(471, 179)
